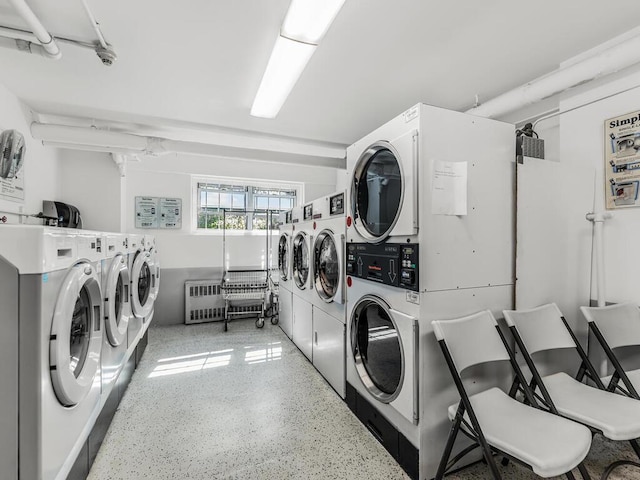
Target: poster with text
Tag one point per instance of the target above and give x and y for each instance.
(170, 213)
(622, 160)
(146, 212)
(12, 155)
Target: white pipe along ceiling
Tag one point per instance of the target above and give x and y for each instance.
(91, 139)
(40, 32)
(611, 60)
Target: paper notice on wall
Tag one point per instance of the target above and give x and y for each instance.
(622, 161)
(449, 188)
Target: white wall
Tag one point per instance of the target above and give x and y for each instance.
(41, 164)
(582, 138)
(171, 176)
(91, 182)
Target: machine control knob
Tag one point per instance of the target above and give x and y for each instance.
(87, 270)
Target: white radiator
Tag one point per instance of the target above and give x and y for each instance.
(203, 301)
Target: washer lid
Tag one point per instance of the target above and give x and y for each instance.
(301, 260)
(327, 266)
(283, 256)
(116, 300)
(143, 284)
(76, 337)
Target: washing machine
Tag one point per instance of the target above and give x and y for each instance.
(135, 250)
(116, 282)
(328, 282)
(302, 290)
(149, 245)
(285, 272)
(50, 345)
(430, 230)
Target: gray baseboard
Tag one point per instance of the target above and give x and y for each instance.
(169, 306)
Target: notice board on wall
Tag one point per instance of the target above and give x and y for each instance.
(622, 161)
(158, 212)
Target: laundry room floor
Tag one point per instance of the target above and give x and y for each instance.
(246, 404)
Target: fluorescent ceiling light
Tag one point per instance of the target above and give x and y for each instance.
(308, 20)
(306, 23)
(287, 62)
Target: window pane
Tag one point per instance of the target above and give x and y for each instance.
(225, 200)
(274, 203)
(202, 219)
(236, 222)
(286, 203)
(212, 199)
(262, 203)
(259, 221)
(238, 200)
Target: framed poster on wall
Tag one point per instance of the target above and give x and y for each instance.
(12, 153)
(622, 161)
(158, 212)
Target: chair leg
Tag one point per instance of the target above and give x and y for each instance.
(488, 456)
(453, 433)
(635, 446)
(505, 461)
(583, 471)
(570, 476)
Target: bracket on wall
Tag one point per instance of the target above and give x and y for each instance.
(121, 159)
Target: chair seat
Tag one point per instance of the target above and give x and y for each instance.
(616, 416)
(634, 378)
(550, 444)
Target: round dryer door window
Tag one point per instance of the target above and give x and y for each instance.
(377, 191)
(377, 348)
(283, 257)
(326, 270)
(116, 300)
(143, 284)
(76, 336)
(300, 260)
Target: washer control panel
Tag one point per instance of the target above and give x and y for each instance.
(394, 264)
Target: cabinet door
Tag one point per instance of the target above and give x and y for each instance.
(302, 326)
(285, 314)
(329, 349)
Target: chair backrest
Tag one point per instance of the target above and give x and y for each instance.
(471, 340)
(540, 328)
(619, 324)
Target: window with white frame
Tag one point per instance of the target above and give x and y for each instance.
(243, 207)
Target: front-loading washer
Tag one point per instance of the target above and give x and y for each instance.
(144, 289)
(116, 282)
(135, 247)
(328, 282)
(301, 244)
(149, 244)
(285, 273)
(50, 345)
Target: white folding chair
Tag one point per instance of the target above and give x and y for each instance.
(617, 326)
(543, 329)
(498, 423)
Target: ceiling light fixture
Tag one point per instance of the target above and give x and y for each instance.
(306, 23)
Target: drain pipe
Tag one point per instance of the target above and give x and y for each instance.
(598, 219)
(44, 37)
(615, 58)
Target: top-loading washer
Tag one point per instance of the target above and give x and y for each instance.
(50, 345)
(285, 272)
(116, 282)
(301, 244)
(450, 257)
(328, 281)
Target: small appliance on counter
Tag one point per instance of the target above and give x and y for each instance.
(59, 214)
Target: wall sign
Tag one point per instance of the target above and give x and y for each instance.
(622, 161)
(12, 153)
(158, 212)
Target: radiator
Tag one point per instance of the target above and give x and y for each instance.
(203, 301)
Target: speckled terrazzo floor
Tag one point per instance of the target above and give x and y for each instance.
(246, 404)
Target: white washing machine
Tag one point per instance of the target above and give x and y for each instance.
(135, 248)
(328, 281)
(430, 222)
(285, 272)
(116, 282)
(50, 345)
(149, 244)
(302, 318)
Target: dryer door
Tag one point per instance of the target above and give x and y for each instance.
(283, 257)
(116, 300)
(384, 347)
(143, 289)
(76, 335)
(301, 260)
(328, 259)
(383, 189)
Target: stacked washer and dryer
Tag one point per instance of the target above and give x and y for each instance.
(285, 272)
(302, 289)
(429, 236)
(64, 345)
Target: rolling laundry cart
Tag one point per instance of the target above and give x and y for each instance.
(245, 293)
(273, 294)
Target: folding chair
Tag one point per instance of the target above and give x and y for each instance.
(544, 329)
(498, 423)
(617, 326)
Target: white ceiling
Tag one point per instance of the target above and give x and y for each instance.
(199, 63)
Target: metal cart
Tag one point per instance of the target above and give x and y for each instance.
(272, 303)
(245, 293)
